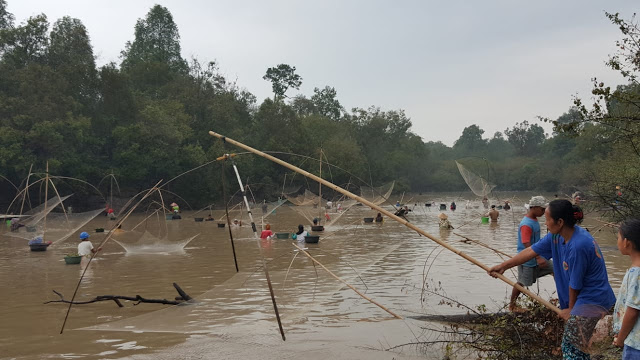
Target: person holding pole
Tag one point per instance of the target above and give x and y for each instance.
(529, 234)
(580, 275)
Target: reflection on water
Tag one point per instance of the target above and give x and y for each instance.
(386, 261)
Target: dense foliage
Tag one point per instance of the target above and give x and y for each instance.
(147, 119)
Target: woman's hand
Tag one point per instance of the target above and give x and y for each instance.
(564, 314)
(497, 270)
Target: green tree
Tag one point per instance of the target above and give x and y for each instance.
(282, 77)
(6, 18)
(471, 141)
(325, 103)
(26, 43)
(71, 55)
(153, 59)
(525, 137)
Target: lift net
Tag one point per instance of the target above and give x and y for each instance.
(377, 195)
(476, 183)
(306, 199)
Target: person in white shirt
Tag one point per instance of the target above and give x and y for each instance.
(85, 248)
(300, 234)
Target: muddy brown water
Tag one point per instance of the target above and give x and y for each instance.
(234, 317)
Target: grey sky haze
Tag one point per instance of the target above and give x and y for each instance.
(447, 64)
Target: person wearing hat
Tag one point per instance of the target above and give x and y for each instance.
(529, 234)
(175, 208)
(444, 221)
(85, 248)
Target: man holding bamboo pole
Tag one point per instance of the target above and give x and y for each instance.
(529, 234)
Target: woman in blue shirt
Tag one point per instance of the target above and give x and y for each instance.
(579, 271)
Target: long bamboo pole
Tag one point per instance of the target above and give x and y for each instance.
(346, 283)
(226, 212)
(257, 238)
(93, 254)
(46, 195)
(390, 215)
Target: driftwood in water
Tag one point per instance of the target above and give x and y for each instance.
(184, 297)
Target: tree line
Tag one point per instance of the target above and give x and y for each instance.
(146, 118)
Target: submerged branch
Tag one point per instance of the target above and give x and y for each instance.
(184, 297)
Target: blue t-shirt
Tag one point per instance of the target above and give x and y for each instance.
(535, 232)
(578, 264)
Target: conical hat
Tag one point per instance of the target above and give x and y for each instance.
(443, 216)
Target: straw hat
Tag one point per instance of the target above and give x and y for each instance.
(443, 216)
(174, 204)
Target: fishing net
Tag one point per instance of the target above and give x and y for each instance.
(147, 243)
(60, 226)
(377, 195)
(38, 213)
(270, 208)
(476, 183)
(306, 199)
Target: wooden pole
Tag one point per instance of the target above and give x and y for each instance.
(26, 186)
(226, 211)
(255, 236)
(93, 254)
(46, 196)
(390, 215)
(344, 282)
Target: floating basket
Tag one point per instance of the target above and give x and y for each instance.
(485, 220)
(39, 247)
(368, 220)
(31, 228)
(221, 225)
(443, 206)
(99, 230)
(499, 207)
(198, 219)
(317, 228)
(427, 205)
(176, 217)
(72, 259)
(282, 235)
(312, 239)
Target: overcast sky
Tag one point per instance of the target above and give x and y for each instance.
(447, 64)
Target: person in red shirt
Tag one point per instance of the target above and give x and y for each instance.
(266, 233)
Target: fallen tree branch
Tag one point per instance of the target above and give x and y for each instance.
(184, 297)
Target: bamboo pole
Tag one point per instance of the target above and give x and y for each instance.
(26, 186)
(226, 211)
(390, 215)
(93, 254)
(346, 283)
(46, 195)
(257, 238)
